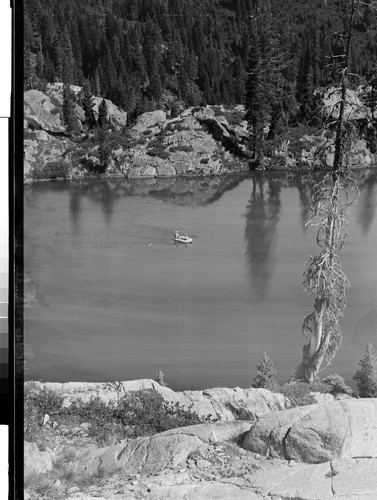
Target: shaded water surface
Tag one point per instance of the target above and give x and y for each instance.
(110, 296)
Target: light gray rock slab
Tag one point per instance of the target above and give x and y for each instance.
(38, 107)
(340, 429)
(82, 496)
(142, 455)
(210, 490)
(304, 482)
(153, 454)
(166, 170)
(267, 435)
(355, 477)
(217, 432)
(35, 461)
(317, 433)
(149, 119)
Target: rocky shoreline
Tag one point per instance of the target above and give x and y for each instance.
(260, 447)
(199, 142)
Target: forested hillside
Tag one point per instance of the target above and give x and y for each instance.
(133, 51)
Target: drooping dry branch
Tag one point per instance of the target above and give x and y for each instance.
(328, 210)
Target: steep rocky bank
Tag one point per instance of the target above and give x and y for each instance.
(331, 452)
(200, 141)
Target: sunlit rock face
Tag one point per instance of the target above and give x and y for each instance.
(198, 142)
(318, 433)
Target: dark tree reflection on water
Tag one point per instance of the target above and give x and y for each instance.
(75, 209)
(262, 218)
(304, 190)
(367, 203)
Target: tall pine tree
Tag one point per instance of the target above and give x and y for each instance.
(69, 112)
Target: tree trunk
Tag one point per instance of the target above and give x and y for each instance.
(315, 351)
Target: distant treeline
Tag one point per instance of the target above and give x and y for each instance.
(133, 51)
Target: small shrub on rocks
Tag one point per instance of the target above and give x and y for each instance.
(36, 405)
(219, 110)
(299, 392)
(172, 126)
(42, 486)
(147, 412)
(234, 118)
(90, 165)
(157, 147)
(337, 385)
(366, 376)
(161, 153)
(29, 135)
(139, 413)
(178, 127)
(186, 148)
(58, 169)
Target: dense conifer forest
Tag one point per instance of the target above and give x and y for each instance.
(135, 51)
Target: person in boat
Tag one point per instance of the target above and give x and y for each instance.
(186, 236)
(176, 234)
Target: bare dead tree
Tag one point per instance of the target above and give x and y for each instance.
(330, 202)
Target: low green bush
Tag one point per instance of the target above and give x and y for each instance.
(36, 405)
(337, 385)
(219, 111)
(147, 412)
(123, 140)
(234, 118)
(29, 135)
(297, 139)
(179, 127)
(186, 148)
(176, 126)
(160, 152)
(172, 125)
(90, 165)
(139, 413)
(57, 169)
(157, 142)
(299, 392)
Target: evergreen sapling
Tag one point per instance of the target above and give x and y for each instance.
(366, 376)
(266, 374)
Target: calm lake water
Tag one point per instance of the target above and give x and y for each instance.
(110, 296)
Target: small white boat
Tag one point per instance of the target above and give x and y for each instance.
(182, 239)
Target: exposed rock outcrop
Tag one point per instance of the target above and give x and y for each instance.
(199, 142)
(116, 117)
(267, 435)
(148, 120)
(206, 461)
(352, 479)
(223, 403)
(41, 148)
(36, 461)
(348, 479)
(41, 112)
(318, 433)
(151, 455)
